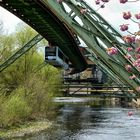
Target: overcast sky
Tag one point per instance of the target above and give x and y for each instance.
(9, 20)
(112, 13)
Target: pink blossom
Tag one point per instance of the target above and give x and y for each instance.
(137, 50)
(105, 0)
(83, 11)
(130, 113)
(103, 6)
(137, 16)
(137, 56)
(109, 53)
(97, 2)
(133, 38)
(137, 40)
(129, 49)
(132, 77)
(138, 60)
(129, 39)
(128, 56)
(124, 27)
(112, 51)
(136, 63)
(123, 1)
(126, 15)
(128, 68)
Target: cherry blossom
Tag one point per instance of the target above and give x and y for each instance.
(128, 56)
(137, 16)
(137, 56)
(97, 2)
(137, 40)
(112, 51)
(129, 49)
(129, 39)
(124, 27)
(103, 6)
(127, 15)
(132, 77)
(137, 50)
(83, 11)
(105, 0)
(101, 3)
(123, 1)
(136, 63)
(128, 68)
(130, 113)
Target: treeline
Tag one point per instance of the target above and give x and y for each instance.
(26, 87)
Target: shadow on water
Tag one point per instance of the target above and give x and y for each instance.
(82, 119)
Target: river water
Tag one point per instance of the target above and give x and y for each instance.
(90, 119)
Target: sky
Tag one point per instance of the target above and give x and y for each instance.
(9, 20)
(112, 13)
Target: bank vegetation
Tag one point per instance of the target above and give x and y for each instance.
(27, 86)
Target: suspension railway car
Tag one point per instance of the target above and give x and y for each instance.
(55, 57)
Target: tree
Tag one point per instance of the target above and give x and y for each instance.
(26, 89)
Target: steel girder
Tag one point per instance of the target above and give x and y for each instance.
(89, 31)
(112, 75)
(20, 52)
(44, 21)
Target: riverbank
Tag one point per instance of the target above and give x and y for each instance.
(28, 129)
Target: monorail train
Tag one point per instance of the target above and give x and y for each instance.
(55, 57)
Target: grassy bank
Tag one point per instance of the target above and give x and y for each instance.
(26, 129)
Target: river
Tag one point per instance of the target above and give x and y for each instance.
(90, 119)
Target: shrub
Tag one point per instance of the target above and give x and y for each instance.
(15, 108)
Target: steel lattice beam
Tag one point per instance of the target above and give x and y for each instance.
(112, 75)
(117, 63)
(20, 52)
(44, 21)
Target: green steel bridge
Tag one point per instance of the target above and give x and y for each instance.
(62, 24)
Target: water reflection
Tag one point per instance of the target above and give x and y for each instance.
(92, 120)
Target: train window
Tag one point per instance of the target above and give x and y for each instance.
(60, 54)
(50, 51)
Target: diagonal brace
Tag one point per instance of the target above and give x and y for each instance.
(20, 52)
